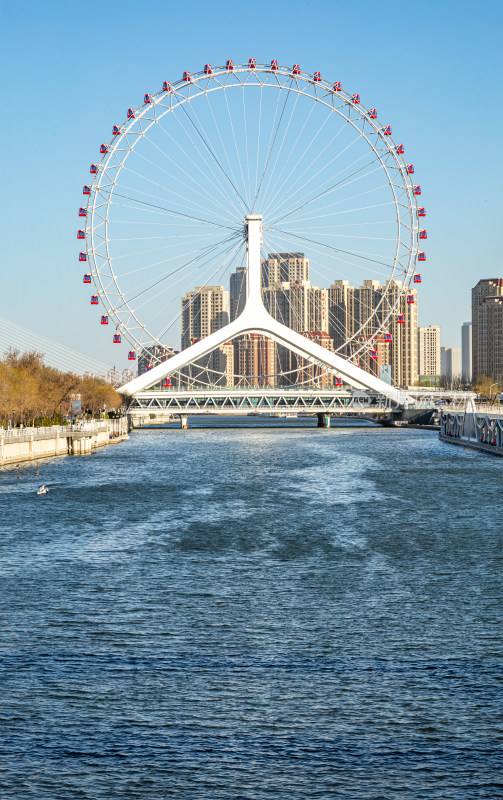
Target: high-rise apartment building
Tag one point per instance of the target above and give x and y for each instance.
(237, 285)
(306, 372)
(486, 340)
(360, 311)
(254, 360)
(152, 355)
(127, 375)
(284, 268)
(428, 340)
(490, 338)
(450, 358)
(466, 351)
(204, 311)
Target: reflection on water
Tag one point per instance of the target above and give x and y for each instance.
(261, 610)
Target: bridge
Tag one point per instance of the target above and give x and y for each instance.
(280, 401)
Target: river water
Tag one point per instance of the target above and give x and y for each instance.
(261, 611)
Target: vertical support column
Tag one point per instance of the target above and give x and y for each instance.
(184, 421)
(253, 224)
(323, 420)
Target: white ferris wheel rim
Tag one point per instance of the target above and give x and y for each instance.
(184, 91)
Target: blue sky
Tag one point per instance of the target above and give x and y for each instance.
(69, 71)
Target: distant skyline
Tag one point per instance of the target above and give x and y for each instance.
(70, 72)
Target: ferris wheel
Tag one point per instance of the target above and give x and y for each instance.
(169, 200)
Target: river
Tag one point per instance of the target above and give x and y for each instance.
(254, 609)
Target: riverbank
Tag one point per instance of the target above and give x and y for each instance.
(480, 428)
(32, 444)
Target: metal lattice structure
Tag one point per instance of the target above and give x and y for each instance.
(245, 211)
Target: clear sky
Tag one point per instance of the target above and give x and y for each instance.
(70, 70)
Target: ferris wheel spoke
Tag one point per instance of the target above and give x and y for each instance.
(172, 211)
(334, 187)
(202, 254)
(305, 155)
(247, 158)
(220, 139)
(345, 211)
(232, 250)
(295, 188)
(285, 133)
(113, 260)
(246, 206)
(331, 247)
(211, 152)
(272, 141)
(196, 183)
(229, 197)
(192, 204)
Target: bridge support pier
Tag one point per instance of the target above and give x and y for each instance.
(323, 420)
(184, 421)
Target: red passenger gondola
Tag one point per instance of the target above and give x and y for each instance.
(417, 278)
(417, 190)
(356, 99)
(166, 382)
(296, 69)
(274, 65)
(387, 130)
(81, 235)
(103, 148)
(388, 337)
(130, 113)
(82, 257)
(115, 131)
(117, 339)
(421, 212)
(252, 63)
(410, 169)
(82, 212)
(131, 355)
(401, 319)
(421, 257)
(104, 320)
(86, 279)
(86, 190)
(229, 64)
(166, 87)
(410, 299)
(186, 76)
(94, 300)
(317, 77)
(373, 113)
(423, 234)
(147, 98)
(94, 169)
(337, 86)
(148, 367)
(400, 149)
(338, 381)
(207, 69)
(373, 354)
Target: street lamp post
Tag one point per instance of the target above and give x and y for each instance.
(491, 386)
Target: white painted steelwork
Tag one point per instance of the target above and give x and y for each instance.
(254, 318)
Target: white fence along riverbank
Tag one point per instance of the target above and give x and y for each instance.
(477, 426)
(31, 444)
